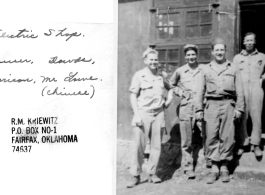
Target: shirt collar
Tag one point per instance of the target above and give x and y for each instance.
(188, 69)
(147, 72)
(245, 53)
(227, 63)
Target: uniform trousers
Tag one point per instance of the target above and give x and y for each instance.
(187, 128)
(220, 129)
(253, 110)
(152, 128)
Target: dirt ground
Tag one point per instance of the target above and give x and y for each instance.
(179, 184)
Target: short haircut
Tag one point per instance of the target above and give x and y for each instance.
(152, 52)
(191, 48)
(216, 41)
(217, 44)
(250, 33)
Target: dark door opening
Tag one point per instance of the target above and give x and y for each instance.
(252, 19)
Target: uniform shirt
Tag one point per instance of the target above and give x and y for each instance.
(185, 79)
(252, 66)
(149, 89)
(213, 83)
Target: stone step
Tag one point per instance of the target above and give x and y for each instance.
(248, 166)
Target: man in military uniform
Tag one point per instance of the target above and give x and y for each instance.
(221, 84)
(252, 67)
(184, 81)
(148, 122)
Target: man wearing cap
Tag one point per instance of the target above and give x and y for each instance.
(252, 67)
(184, 81)
(148, 122)
(221, 84)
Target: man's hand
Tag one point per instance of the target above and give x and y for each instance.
(167, 103)
(137, 120)
(180, 93)
(199, 115)
(237, 115)
(186, 95)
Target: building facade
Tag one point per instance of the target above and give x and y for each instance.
(167, 25)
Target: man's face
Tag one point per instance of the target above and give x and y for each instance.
(191, 57)
(218, 52)
(249, 42)
(151, 61)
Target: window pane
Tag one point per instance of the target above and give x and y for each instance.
(173, 55)
(192, 31)
(173, 32)
(162, 55)
(192, 17)
(206, 30)
(174, 19)
(170, 68)
(206, 16)
(205, 54)
(162, 33)
(161, 20)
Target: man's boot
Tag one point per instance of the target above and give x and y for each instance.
(212, 177)
(214, 173)
(190, 174)
(154, 179)
(257, 151)
(225, 176)
(224, 171)
(135, 180)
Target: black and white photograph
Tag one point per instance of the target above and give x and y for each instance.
(190, 97)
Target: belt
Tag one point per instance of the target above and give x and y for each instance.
(157, 110)
(225, 97)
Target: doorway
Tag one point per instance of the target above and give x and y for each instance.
(252, 19)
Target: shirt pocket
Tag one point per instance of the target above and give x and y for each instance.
(147, 91)
(210, 83)
(241, 65)
(257, 63)
(229, 81)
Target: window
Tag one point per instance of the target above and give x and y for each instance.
(169, 60)
(204, 54)
(175, 24)
(198, 24)
(168, 25)
(172, 57)
(183, 23)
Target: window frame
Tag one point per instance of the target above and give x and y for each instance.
(167, 62)
(183, 12)
(199, 10)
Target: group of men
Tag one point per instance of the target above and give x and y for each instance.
(221, 95)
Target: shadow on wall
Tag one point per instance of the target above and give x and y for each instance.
(170, 158)
(171, 154)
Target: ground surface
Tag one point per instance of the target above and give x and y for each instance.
(179, 185)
